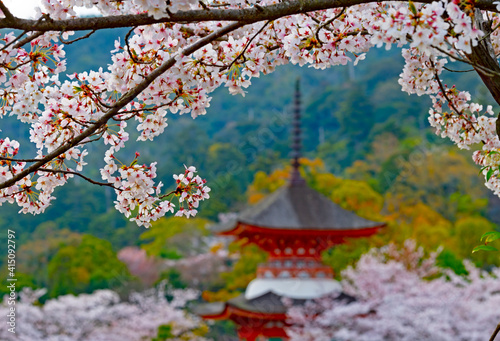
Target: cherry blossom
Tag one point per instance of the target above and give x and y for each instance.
(399, 297)
(101, 315)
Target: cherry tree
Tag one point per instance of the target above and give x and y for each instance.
(102, 315)
(398, 297)
(178, 52)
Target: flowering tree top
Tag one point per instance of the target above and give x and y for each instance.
(177, 52)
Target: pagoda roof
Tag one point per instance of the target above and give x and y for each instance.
(269, 304)
(298, 207)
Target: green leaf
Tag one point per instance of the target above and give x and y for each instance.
(484, 248)
(489, 174)
(490, 236)
(413, 9)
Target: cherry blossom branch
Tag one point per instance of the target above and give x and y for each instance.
(450, 103)
(326, 23)
(14, 41)
(28, 39)
(244, 15)
(68, 42)
(129, 49)
(479, 68)
(137, 111)
(122, 102)
(495, 333)
(242, 53)
(3, 158)
(458, 71)
(80, 175)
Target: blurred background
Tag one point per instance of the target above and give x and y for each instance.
(366, 145)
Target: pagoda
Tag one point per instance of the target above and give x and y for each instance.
(294, 225)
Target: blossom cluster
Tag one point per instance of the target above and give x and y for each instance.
(398, 297)
(76, 109)
(102, 316)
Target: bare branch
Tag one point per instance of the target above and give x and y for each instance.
(450, 70)
(67, 42)
(3, 158)
(14, 41)
(28, 39)
(80, 175)
(495, 333)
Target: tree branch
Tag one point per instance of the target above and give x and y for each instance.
(123, 101)
(245, 15)
(483, 56)
(67, 42)
(80, 175)
(495, 333)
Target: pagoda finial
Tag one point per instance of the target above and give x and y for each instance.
(295, 178)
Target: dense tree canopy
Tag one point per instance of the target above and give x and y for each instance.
(178, 52)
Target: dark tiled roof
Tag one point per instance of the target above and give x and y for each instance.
(208, 309)
(299, 208)
(269, 303)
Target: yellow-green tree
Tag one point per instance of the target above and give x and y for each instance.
(175, 237)
(91, 264)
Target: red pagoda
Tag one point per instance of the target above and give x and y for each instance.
(294, 225)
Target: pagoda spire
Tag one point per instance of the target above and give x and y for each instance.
(295, 177)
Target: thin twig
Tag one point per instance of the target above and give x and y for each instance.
(482, 69)
(67, 42)
(202, 4)
(80, 175)
(447, 69)
(450, 103)
(3, 158)
(92, 140)
(13, 68)
(242, 53)
(129, 49)
(495, 333)
(326, 23)
(136, 111)
(28, 39)
(14, 41)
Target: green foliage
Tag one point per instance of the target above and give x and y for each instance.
(85, 267)
(34, 256)
(222, 327)
(173, 278)
(447, 259)
(236, 280)
(23, 280)
(174, 237)
(164, 333)
(344, 255)
(466, 235)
